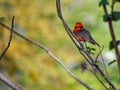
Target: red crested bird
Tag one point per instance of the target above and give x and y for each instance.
(83, 35)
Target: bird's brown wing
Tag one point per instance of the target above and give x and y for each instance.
(83, 33)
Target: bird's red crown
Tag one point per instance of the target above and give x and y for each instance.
(78, 24)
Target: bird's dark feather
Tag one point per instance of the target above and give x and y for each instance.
(83, 33)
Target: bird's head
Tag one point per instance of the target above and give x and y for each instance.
(78, 26)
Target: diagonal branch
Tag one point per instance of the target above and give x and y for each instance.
(9, 82)
(49, 53)
(71, 35)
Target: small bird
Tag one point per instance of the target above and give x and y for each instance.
(83, 35)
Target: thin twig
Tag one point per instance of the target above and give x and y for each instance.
(2, 77)
(104, 65)
(9, 82)
(49, 53)
(112, 7)
(100, 80)
(9, 39)
(99, 54)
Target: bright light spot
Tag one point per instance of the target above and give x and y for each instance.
(109, 55)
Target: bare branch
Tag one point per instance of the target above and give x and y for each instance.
(71, 35)
(9, 39)
(49, 53)
(9, 82)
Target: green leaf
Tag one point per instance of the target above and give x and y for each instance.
(115, 16)
(2, 19)
(117, 0)
(105, 17)
(118, 42)
(103, 2)
(90, 50)
(111, 46)
(111, 62)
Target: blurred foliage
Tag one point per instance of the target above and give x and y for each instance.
(2, 19)
(111, 44)
(111, 62)
(103, 2)
(117, 0)
(116, 16)
(31, 67)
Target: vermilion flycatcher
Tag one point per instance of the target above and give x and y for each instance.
(83, 35)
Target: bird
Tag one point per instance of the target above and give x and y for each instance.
(82, 34)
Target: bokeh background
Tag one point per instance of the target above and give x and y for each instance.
(31, 67)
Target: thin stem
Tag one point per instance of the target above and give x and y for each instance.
(112, 7)
(12, 26)
(2, 77)
(100, 80)
(113, 37)
(100, 54)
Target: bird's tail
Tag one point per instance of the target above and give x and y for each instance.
(94, 42)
